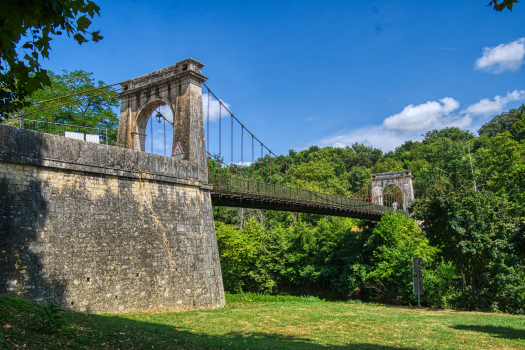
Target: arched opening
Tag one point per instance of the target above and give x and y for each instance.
(393, 197)
(154, 128)
(160, 129)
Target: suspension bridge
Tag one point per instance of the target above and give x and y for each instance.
(99, 228)
(263, 182)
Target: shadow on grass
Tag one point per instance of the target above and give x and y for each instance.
(187, 339)
(497, 331)
(19, 327)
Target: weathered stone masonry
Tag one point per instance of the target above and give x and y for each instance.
(104, 229)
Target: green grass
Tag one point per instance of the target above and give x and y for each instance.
(264, 298)
(251, 324)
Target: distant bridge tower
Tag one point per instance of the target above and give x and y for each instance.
(177, 86)
(401, 179)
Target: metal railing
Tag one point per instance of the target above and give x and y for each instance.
(99, 135)
(233, 185)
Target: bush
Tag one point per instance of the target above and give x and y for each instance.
(265, 298)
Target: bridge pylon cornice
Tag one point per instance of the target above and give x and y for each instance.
(187, 69)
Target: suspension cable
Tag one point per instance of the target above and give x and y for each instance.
(253, 136)
(105, 86)
(220, 119)
(66, 103)
(232, 140)
(208, 124)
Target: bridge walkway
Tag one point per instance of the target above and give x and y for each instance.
(245, 193)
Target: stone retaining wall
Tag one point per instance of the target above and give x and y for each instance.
(98, 228)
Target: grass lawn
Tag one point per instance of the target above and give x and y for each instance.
(288, 324)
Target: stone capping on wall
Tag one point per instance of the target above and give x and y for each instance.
(392, 175)
(36, 148)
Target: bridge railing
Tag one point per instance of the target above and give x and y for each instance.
(86, 133)
(239, 186)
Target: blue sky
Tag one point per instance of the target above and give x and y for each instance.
(299, 73)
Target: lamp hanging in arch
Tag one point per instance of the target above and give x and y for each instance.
(159, 116)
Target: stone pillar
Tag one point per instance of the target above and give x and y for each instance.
(408, 191)
(138, 141)
(188, 128)
(377, 192)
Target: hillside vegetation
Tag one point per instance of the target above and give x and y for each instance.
(470, 203)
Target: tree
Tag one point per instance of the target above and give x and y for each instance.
(26, 28)
(502, 122)
(518, 129)
(324, 174)
(500, 6)
(394, 241)
(473, 229)
(95, 112)
(387, 165)
(358, 176)
(455, 134)
(502, 170)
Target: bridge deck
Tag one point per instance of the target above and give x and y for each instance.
(235, 192)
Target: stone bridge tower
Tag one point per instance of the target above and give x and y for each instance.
(103, 229)
(177, 86)
(402, 179)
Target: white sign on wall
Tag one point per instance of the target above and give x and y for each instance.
(93, 138)
(83, 137)
(74, 135)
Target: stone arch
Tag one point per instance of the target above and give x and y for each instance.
(389, 196)
(402, 179)
(138, 134)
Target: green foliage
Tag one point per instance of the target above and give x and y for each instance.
(93, 112)
(472, 229)
(26, 29)
(251, 258)
(358, 176)
(50, 317)
(502, 122)
(453, 134)
(324, 173)
(388, 165)
(394, 242)
(501, 5)
(237, 254)
(518, 129)
(440, 284)
(265, 298)
(502, 170)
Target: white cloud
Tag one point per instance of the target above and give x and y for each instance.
(243, 163)
(214, 108)
(487, 107)
(502, 57)
(376, 136)
(429, 115)
(415, 120)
